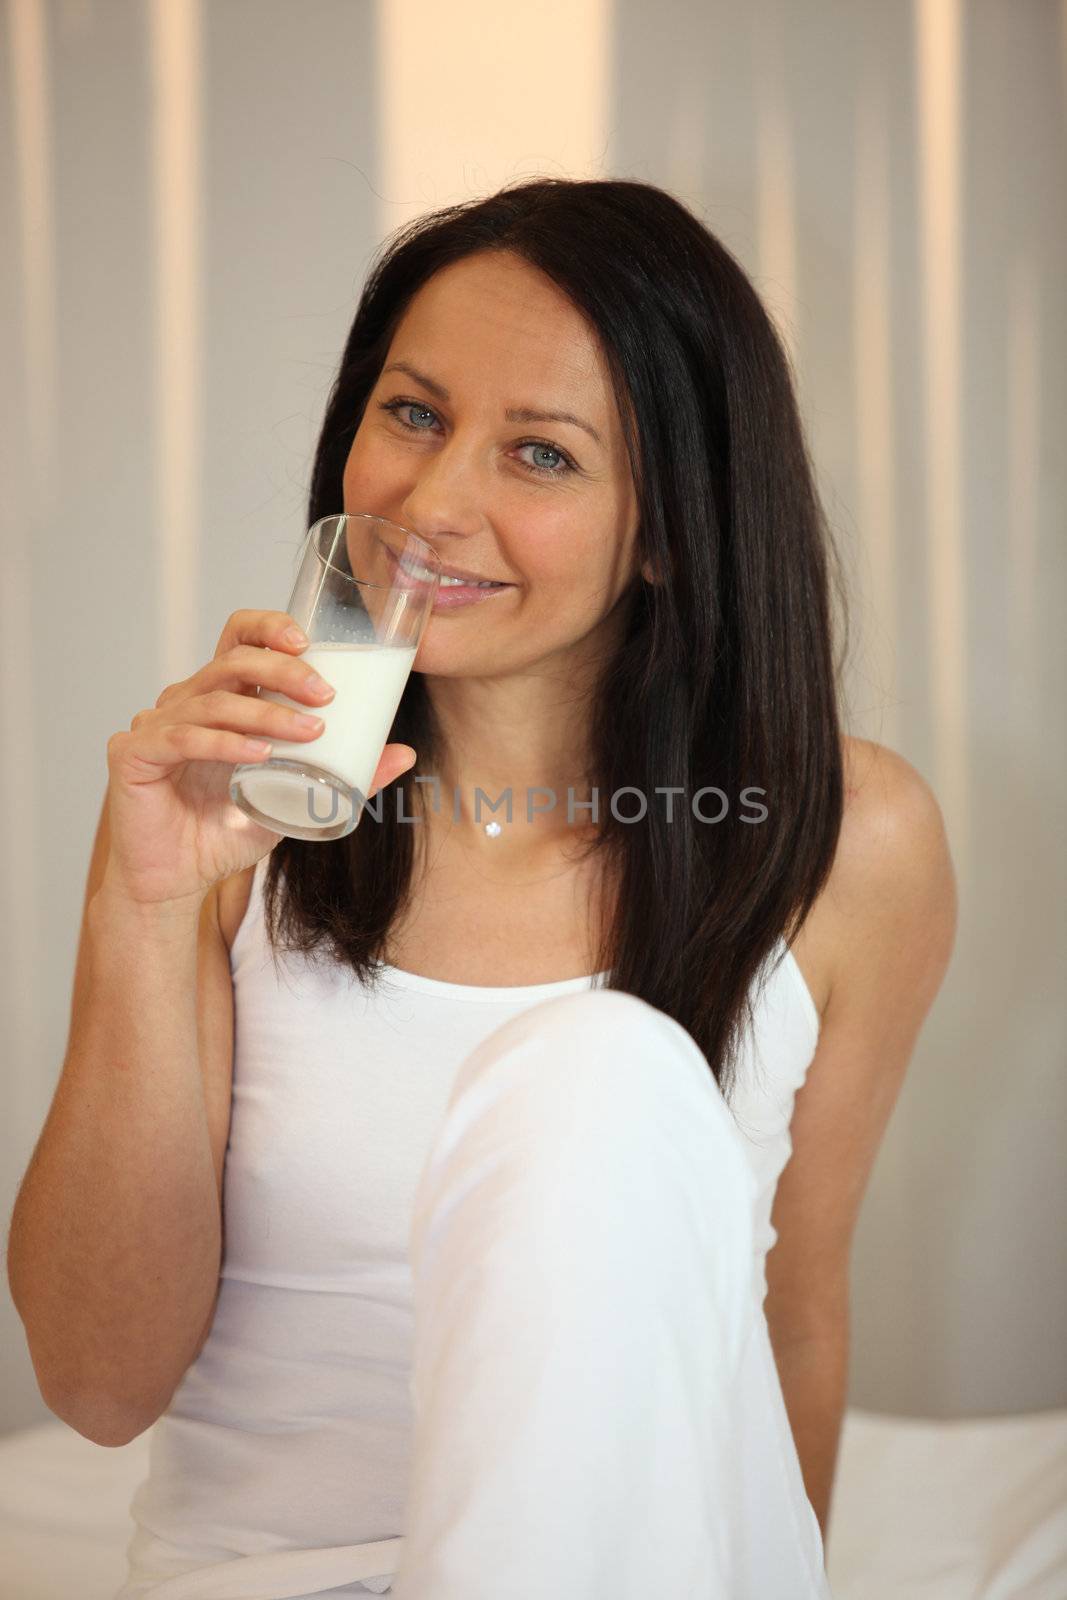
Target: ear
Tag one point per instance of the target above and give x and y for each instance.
(649, 573)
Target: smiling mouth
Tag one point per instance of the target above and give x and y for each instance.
(448, 582)
(413, 568)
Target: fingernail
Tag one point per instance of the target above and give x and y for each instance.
(294, 636)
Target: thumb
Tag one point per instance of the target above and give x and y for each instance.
(395, 760)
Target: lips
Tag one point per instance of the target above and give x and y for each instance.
(413, 569)
(450, 596)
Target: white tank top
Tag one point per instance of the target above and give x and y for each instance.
(291, 1431)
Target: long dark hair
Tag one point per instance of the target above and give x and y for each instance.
(726, 677)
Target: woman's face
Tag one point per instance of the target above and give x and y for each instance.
(543, 505)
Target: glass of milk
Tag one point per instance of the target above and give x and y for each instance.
(363, 594)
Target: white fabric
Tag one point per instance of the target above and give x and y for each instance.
(290, 1438)
(974, 1508)
(969, 1509)
(590, 1414)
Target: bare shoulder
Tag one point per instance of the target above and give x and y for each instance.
(877, 942)
(892, 880)
(232, 896)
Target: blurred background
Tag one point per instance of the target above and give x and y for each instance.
(191, 192)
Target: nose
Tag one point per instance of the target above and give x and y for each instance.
(443, 499)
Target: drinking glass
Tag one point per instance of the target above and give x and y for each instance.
(363, 594)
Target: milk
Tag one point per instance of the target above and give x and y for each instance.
(368, 680)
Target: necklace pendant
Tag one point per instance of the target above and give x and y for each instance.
(492, 829)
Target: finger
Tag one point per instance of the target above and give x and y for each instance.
(243, 629)
(264, 628)
(396, 759)
(159, 748)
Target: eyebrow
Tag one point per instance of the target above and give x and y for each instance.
(513, 414)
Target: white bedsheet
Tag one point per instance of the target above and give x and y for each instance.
(963, 1510)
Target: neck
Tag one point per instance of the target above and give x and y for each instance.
(514, 759)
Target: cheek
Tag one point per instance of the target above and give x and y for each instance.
(557, 570)
(352, 469)
(571, 586)
(360, 453)
(369, 475)
(580, 551)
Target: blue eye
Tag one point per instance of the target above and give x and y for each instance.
(564, 462)
(409, 405)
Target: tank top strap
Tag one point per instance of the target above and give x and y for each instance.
(251, 926)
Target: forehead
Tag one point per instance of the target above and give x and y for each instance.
(498, 322)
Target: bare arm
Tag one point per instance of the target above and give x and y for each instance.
(813, 1373)
(888, 923)
(115, 1240)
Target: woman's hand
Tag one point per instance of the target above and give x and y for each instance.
(174, 831)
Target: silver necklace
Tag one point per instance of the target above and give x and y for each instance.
(492, 829)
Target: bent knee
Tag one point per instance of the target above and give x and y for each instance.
(624, 1047)
(624, 1035)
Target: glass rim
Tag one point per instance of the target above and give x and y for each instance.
(368, 516)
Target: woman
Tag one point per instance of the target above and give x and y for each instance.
(617, 1388)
